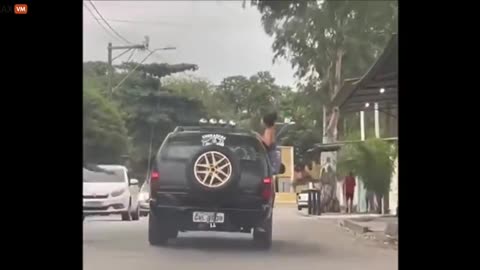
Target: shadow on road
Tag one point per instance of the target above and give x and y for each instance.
(245, 245)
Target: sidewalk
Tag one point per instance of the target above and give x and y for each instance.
(378, 224)
(386, 225)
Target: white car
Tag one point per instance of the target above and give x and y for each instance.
(108, 190)
(144, 199)
(302, 200)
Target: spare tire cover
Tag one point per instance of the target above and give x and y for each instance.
(213, 168)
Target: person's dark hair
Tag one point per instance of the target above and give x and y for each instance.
(269, 119)
(299, 167)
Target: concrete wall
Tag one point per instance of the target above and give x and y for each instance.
(393, 195)
(358, 196)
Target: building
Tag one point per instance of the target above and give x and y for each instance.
(377, 90)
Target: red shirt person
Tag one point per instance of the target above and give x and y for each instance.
(349, 187)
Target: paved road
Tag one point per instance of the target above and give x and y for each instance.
(299, 243)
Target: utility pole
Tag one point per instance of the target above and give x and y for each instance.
(110, 67)
(110, 49)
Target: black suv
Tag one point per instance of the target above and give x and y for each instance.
(211, 179)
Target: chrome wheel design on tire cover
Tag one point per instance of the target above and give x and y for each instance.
(212, 169)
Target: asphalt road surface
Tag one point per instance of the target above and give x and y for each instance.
(298, 243)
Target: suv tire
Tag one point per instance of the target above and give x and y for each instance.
(158, 233)
(263, 239)
(232, 158)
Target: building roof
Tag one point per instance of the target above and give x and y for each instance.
(333, 147)
(360, 94)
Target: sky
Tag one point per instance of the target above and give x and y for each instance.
(221, 37)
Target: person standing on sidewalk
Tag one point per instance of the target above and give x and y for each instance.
(349, 187)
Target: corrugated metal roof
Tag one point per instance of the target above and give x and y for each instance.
(361, 94)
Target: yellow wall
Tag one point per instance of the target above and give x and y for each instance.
(287, 160)
(285, 198)
(315, 171)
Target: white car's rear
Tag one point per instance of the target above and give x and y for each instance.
(109, 191)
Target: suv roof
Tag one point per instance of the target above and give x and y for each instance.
(216, 129)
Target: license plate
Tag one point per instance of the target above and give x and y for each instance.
(93, 204)
(208, 217)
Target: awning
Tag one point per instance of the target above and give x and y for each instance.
(333, 147)
(378, 85)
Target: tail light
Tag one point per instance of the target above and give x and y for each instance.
(154, 177)
(267, 189)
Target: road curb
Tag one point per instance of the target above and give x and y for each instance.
(354, 226)
(391, 231)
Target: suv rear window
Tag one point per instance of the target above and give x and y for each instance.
(183, 146)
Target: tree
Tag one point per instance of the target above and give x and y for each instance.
(147, 110)
(156, 70)
(105, 137)
(204, 92)
(373, 161)
(251, 97)
(328, 41)
(151, 110)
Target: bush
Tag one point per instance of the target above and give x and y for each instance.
(372, 161)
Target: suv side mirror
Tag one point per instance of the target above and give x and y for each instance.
(133, 182)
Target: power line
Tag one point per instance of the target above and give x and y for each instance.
(121, 54)
(131, 55)
(105, 21)
(138, 65)
(149, 22)
(98, 21)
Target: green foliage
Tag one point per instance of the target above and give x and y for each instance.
(323, 37)
(250, 98)
(94, 69)
(105, 137)
(326, 42)
(204, 92)
(156, 70)
(151, 109)
(140, 104)
(372, 160)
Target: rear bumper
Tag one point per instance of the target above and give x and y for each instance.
(235, 219)
(144, 207)
(102, 212)
(115, 205)
(302, 203)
